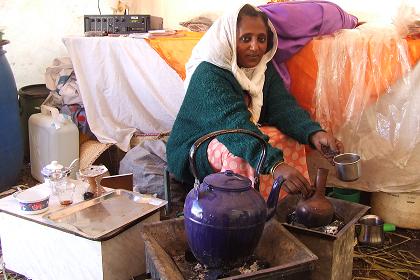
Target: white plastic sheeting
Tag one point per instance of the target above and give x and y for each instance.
(368, 95)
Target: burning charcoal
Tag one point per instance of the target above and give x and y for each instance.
(249, 261)
(334, 227)
(88, 195)
(252, 264)
(245, 269)
(338, 224)
(263, 264)
(189, 257)
(331, 229)
(291, 218)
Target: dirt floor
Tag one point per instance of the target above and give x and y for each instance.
(398, 259)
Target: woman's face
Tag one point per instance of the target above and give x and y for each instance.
(251, 41)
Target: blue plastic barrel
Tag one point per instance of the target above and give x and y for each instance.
(11, 145)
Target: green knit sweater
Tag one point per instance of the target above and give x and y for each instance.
(215, 101)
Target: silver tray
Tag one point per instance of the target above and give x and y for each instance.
(105, 216)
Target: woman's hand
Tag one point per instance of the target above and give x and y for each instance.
(326, 144)
(294, 181)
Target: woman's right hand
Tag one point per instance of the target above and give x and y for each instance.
(294, 182)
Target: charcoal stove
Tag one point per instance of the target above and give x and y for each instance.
(165, 244)
(335, 251)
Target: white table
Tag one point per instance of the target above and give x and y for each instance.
(35, 249)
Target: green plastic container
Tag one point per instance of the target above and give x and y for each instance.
(346, 194)
(30, 100)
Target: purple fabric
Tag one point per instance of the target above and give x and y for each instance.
(298, 22)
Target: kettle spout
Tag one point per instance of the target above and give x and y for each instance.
(273, 198)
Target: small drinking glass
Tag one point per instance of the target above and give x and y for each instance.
(65, 193)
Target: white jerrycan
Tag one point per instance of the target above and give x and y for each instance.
(52, 137)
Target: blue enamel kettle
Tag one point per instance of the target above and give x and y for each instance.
(224, 215)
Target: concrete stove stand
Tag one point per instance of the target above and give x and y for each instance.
(288, 257)
(334, 252)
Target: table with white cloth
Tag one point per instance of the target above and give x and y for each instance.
(125, 87)
(39, 249)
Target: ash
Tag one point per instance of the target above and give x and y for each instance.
(332, 229)
(191, 269)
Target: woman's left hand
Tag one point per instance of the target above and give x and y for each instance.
(327, 144)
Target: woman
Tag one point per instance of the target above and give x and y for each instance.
(231, 83)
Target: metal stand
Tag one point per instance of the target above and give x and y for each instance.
(167, 187)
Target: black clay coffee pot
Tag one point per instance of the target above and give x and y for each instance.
(317, 210)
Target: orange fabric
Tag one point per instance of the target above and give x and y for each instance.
(294, 154)
(414, 50)
(303, 70)
(303, 67)
(176, 49)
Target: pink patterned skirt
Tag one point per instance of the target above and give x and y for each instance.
(221, 159)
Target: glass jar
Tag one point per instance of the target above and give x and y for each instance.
(55, 174)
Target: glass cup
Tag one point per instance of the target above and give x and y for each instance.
(65, 193)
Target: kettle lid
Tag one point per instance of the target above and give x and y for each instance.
(228, 181)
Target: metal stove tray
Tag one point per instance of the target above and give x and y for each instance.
(103, 217)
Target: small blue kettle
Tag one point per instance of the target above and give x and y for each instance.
(224, 215)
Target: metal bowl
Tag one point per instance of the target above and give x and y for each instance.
(348, 167)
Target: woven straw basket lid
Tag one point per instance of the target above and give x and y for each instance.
(90, 151)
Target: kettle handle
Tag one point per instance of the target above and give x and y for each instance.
(214, 134)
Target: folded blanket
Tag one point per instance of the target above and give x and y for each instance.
(298, 22)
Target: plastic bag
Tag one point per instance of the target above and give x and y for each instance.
(367, 94)
(147, 162)
(61, 80)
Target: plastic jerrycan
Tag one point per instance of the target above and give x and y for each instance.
(52, 137)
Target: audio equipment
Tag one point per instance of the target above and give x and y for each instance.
(122, 24)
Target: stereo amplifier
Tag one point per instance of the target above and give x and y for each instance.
(122, 24)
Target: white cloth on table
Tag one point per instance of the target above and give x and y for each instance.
(125, 86)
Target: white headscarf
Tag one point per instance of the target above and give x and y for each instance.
(218, 47)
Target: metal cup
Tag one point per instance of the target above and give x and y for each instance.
(371, 230)
(348, 167)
